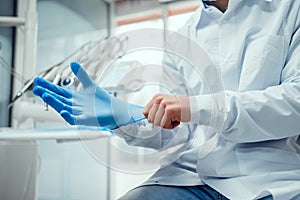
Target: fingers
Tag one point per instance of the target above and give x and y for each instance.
(52, 87)
(39, 91)
(56, 97)
(55, 103)
(152, 112)
(160, 113)
(156, 112)
(151, 108)
(82, 75)
(163, 110)
(68, 117)
(170, 119)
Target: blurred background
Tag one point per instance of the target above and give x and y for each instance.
(38, 34)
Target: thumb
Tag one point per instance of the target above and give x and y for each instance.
(81, 74)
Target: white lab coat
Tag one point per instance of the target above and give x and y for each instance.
(255, 45)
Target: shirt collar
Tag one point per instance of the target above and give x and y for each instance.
(205, 5)
(216, 0)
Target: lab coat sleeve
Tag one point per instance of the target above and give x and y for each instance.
(269, 114)
(147, 135)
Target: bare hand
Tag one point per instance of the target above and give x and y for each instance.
(168, 111)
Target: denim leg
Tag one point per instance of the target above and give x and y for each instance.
(204, 192)
(160, 192)
(267, 198)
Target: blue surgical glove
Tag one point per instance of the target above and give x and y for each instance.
(92, 106)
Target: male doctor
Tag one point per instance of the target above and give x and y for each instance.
(255, 44)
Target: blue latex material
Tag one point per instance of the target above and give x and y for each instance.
(93, 106)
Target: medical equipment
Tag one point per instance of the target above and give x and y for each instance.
(7, 67)
(55, 82)
(93, 55)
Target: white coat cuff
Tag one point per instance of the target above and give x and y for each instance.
(200, 107)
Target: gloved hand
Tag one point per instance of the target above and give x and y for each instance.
(92, 106)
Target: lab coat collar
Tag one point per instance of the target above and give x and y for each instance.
(203, 6)
(265, 0)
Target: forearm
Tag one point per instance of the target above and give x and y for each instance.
(253, 116)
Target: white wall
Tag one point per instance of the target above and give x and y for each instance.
(6, 51)
(67, 170)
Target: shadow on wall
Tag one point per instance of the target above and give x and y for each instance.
(6, 51)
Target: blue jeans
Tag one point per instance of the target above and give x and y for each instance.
(163, 192)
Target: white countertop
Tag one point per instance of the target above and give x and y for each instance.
(51, 134)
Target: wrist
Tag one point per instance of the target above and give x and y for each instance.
(200, 109)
